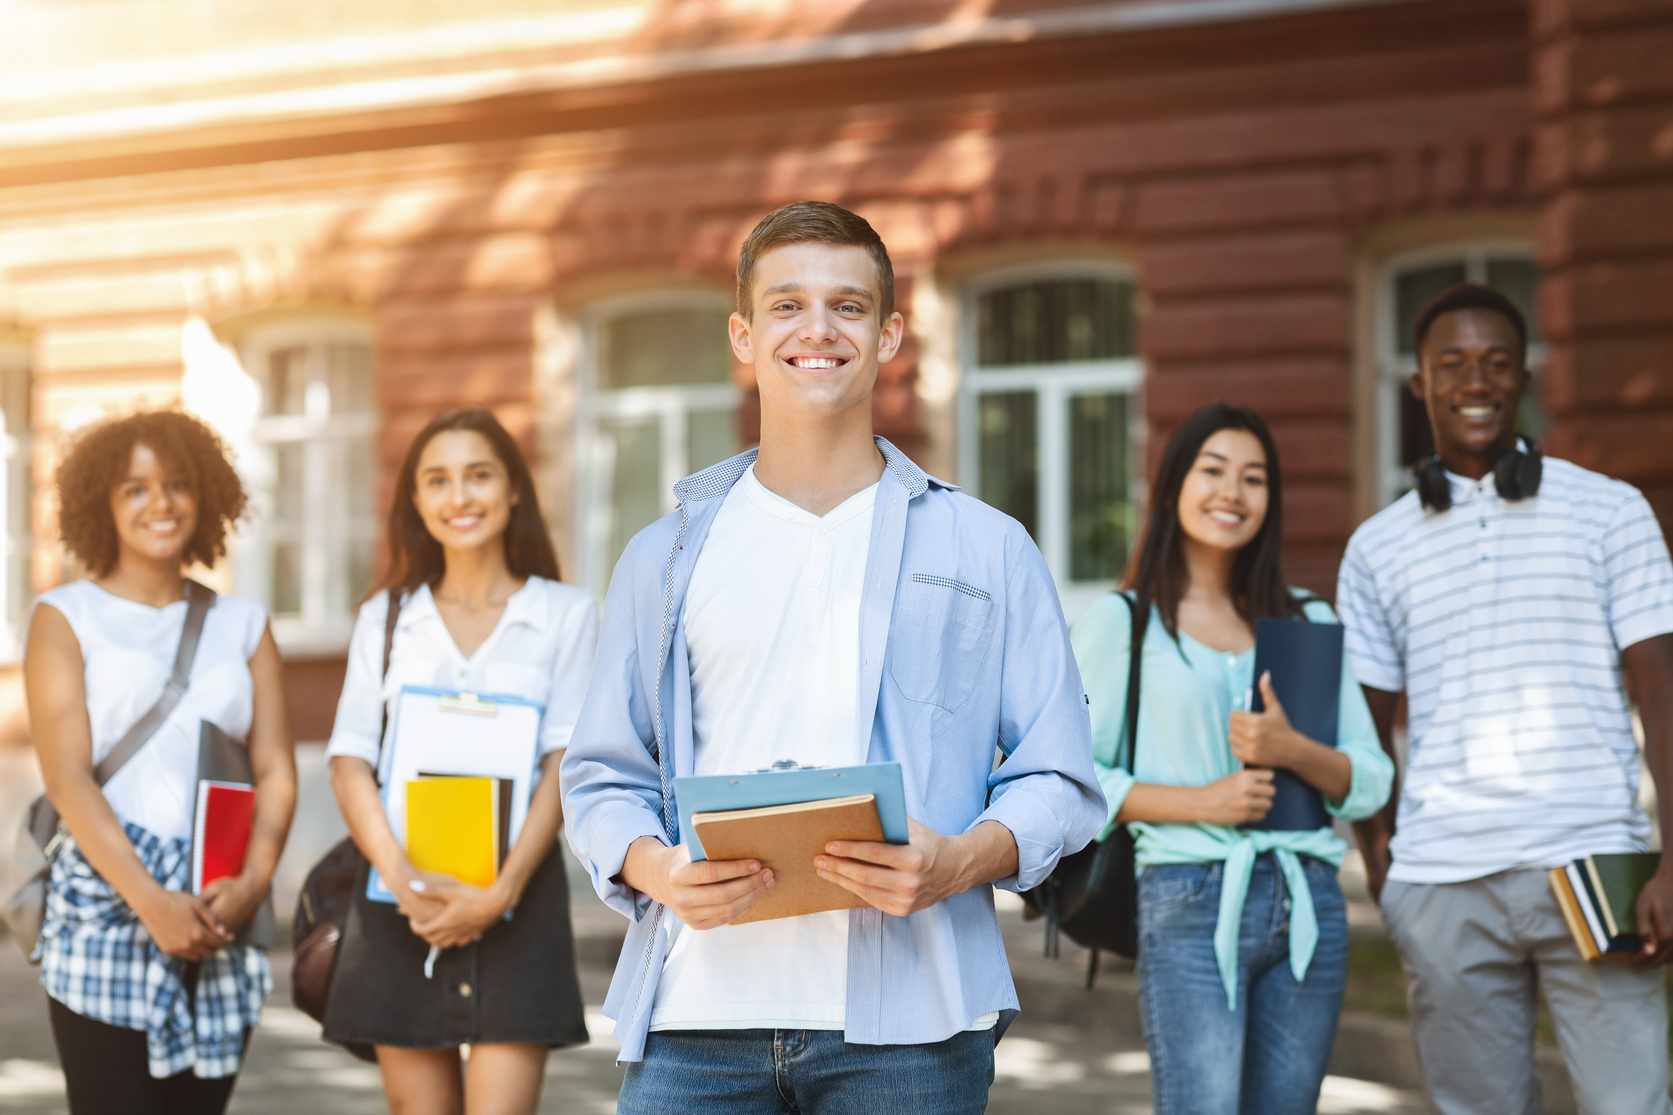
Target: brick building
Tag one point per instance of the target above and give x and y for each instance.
(320, 224)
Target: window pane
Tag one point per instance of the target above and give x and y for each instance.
(1009, 451)
(679, 346)
(1098, 506)
(348, 373)
(1413, 291)
(287, 579)
(636, 481)
(711, 437)
(1518, 280)
(1055, 321)
(287, 380)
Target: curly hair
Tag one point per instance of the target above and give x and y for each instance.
(98, 459)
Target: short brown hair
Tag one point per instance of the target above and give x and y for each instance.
(812, 222)
(98, 459)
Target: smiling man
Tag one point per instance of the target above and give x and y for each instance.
(1505, 596)
(823, 600)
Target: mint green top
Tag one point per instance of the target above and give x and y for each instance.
(1189, 692)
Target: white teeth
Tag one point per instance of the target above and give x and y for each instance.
(1226, 517)
(1477, 412)
(816, 362)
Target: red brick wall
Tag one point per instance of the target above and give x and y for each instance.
(1604, 90)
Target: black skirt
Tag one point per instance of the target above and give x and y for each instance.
(516, 984)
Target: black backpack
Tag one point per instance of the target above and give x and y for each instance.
(1092, 894)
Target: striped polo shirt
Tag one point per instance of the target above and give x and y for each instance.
(1504, 623)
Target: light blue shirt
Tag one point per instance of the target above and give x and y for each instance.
(962, 648)
(1188, 692)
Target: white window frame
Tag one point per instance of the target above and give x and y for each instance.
(1054, 385)
(16, 498)
(670, 404)
(1395, 369)
(321, 628)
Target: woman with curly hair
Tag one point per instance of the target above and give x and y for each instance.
(151, 994)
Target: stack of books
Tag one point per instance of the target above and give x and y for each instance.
(459, 826)
(1598, 896)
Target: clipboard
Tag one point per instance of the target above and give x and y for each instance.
(440, 731)
(787, 784)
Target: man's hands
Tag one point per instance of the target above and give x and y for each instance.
(703, 894)
(182, 925)
(1655, 917)
(903, 879)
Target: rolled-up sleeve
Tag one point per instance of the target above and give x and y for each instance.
(612, 789)
(1103, 646)
(357, 730)
(1356, 737)
(1044, 790)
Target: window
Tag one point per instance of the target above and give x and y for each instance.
(16, 484)
(1406, 283)
(1049, 418)
(659, 404)
(312, 478)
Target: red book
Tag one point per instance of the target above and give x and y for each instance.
(221, 834)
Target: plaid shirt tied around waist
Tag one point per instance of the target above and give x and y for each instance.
(99, 961)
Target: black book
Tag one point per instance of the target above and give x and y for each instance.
(1305, 660)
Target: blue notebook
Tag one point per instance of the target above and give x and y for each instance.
(788, 786)
(1306, 663)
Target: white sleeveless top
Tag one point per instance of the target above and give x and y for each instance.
(128, 651)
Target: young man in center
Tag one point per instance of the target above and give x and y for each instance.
(823, 600)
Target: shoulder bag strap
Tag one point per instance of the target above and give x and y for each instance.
(1135, 672)
(199, 599)
(392, 613)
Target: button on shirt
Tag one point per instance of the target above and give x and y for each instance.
(541, 650)
(1504, 623)
(772, 623)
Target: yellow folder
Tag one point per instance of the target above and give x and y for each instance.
(453, 827)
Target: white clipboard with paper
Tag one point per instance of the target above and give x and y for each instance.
(438, 732)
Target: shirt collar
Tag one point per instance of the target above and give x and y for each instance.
(717, 480)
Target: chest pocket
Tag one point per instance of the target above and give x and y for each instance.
(939, 636)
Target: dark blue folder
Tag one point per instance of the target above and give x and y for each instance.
(1306, 664)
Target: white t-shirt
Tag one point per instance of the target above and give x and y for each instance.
(1504, 623)
(772, 621)
(541, 650)
(128, 653)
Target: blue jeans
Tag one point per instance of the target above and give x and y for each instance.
(810, 1072)
(1268, 1055)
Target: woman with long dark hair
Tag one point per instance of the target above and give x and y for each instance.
(474, 577)
(1243, 936)
(153, 989)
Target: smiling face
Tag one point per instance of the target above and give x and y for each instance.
(1223, 501)
(815, 332)
(462, 491)
(1471, 378)
(154, 508)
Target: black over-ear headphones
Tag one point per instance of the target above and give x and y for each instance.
(1516, 475)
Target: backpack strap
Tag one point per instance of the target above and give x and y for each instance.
(1135, 674)
(199, 599)
(392, 614)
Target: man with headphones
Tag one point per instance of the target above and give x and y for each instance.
(1505, 597)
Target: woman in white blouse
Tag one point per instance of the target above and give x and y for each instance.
(153, 989)
(474, 576)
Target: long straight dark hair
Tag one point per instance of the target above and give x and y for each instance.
(1157, 572)
(416, 558)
